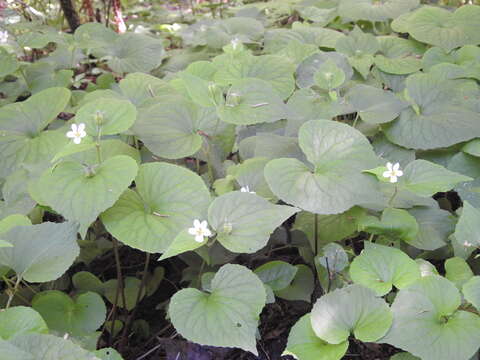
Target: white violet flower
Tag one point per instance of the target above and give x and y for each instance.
(393, 172)
(467, 244)
(246, 189)
(3, 37)
(77, 133)
(200, 230)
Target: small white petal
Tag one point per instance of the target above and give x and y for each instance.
(196, 223)
(396, 166)
(70, 134)
(74, 127)
(393, 179)
(199, 238)
(192, 231)
(399, 173)
(82, 133)
(389, 166)
(77, 140)
(207, 233)
(81, 127)
(204, 224)
(387, 174)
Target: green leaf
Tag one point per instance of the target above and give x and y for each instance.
(89, 193)
(458, 271)
(333, 258)
(434, 227)
(334, 317)
(78, 317)
(357, 43)
(85, 281)
(404, 356)
(22, 139)
(329, 76)
(13, 220)
(465, 237)
(330, 228)
(374, 105)
(49, 347)
(276, 70)
(301, 287)
(276, 274)
(169, 127)
(380, 267)
(436, 118)
(472, 148)
(440, 27)
(398, 66)
(228, 316)
(394, 224)
(252, 101)
(20, 320)
(166, 200)
(139, 88)
(428, 324)
(108, 354)
(106, 116)
(40, 253)
(339, 153)
(470, 166)
(132, 52)
(375, 10)
(426, 179)
(308, 68)
(131, 290)
(182, 243)
(471, 291)
(8, 63)
(305, 345)
(244, 221)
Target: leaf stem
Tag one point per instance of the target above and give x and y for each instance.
(13, 291)
(130, 319)
(120, 288)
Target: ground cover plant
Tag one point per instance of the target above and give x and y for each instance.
(290, 179)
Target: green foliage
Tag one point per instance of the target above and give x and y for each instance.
(315, 151)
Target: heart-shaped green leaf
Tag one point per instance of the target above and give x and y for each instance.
(20, 320)
(48, 347)
(106, 116)
(79, 316)
(276, 274)
(436, 118)
(305, 345)
(426, 179)
(252, 101)
(40, 253)
(244, 221)
(373, 10)
(22, 139)
(380, 267)
(428, 324)
(373, 105)
(169, 128)
(226, 317)
(395, 224)
(90, 189)
(335, 182)
(166, 200)
(353, 308)
(440, 27)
